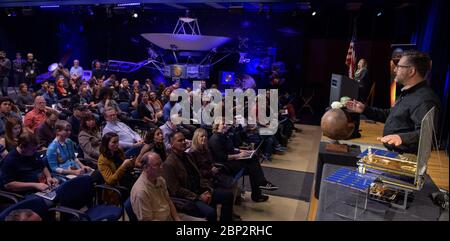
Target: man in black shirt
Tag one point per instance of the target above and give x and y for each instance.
(22, 172)
(18, 64)
(98, 72)
(402, 122)
(5, 67)
(46, 131)
(31, 71)
(75, 121)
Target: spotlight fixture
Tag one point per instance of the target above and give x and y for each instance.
(135, 15)
(379, 13)
(314, 13)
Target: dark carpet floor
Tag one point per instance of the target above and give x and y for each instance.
(292, 184)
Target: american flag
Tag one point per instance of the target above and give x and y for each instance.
(350, 61)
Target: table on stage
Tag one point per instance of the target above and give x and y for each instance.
(337, 202)
(344, 159)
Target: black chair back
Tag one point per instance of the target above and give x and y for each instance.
(76, 193)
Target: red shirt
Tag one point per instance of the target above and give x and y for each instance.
(34, 118)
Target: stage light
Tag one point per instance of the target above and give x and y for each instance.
(314, 13)
(379, 13)
(135, 15)
(49, 6)
(128, 4)
(90, 12)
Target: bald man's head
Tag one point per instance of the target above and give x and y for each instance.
(39, 103)
(152, 164)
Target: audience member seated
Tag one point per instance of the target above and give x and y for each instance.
(60, 90)
(22, 172)
(13, 129)
(50, 96)
(86, 97)
(135, 98)
(23, 215)
(114, 168)
(185, 181)
(72, 89)
(146, 111)
(167, 108)
(89, 138)
(76, 71)
(61, 73)
(24, 98)
(98, 72)
(136, 85)
(74, 120)
(130, 141)
(167, 129)
(106, 101)
(43, 89)
(125, 92)
(109, 81)
(61, 153)
(148, 85)
(153, 141)
(149, 196)
(269, 145)
(165, 95)
(36, 116)
(6, 112)
(46, 131)
(204, 160)
(156, 104)
(234, 159)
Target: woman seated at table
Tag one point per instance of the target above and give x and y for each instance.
(61, 153)
(114, 168)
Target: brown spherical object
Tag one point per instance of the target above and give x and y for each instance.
(336, 124)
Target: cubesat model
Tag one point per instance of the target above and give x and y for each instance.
(397, 172)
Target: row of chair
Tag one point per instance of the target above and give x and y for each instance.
(76, 199)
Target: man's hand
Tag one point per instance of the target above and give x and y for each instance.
(78, 172)
(205, 197)
(52, 181)
(395, 140)
(355, 106)
(41, 186)
(244, 153)
(86, 169)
